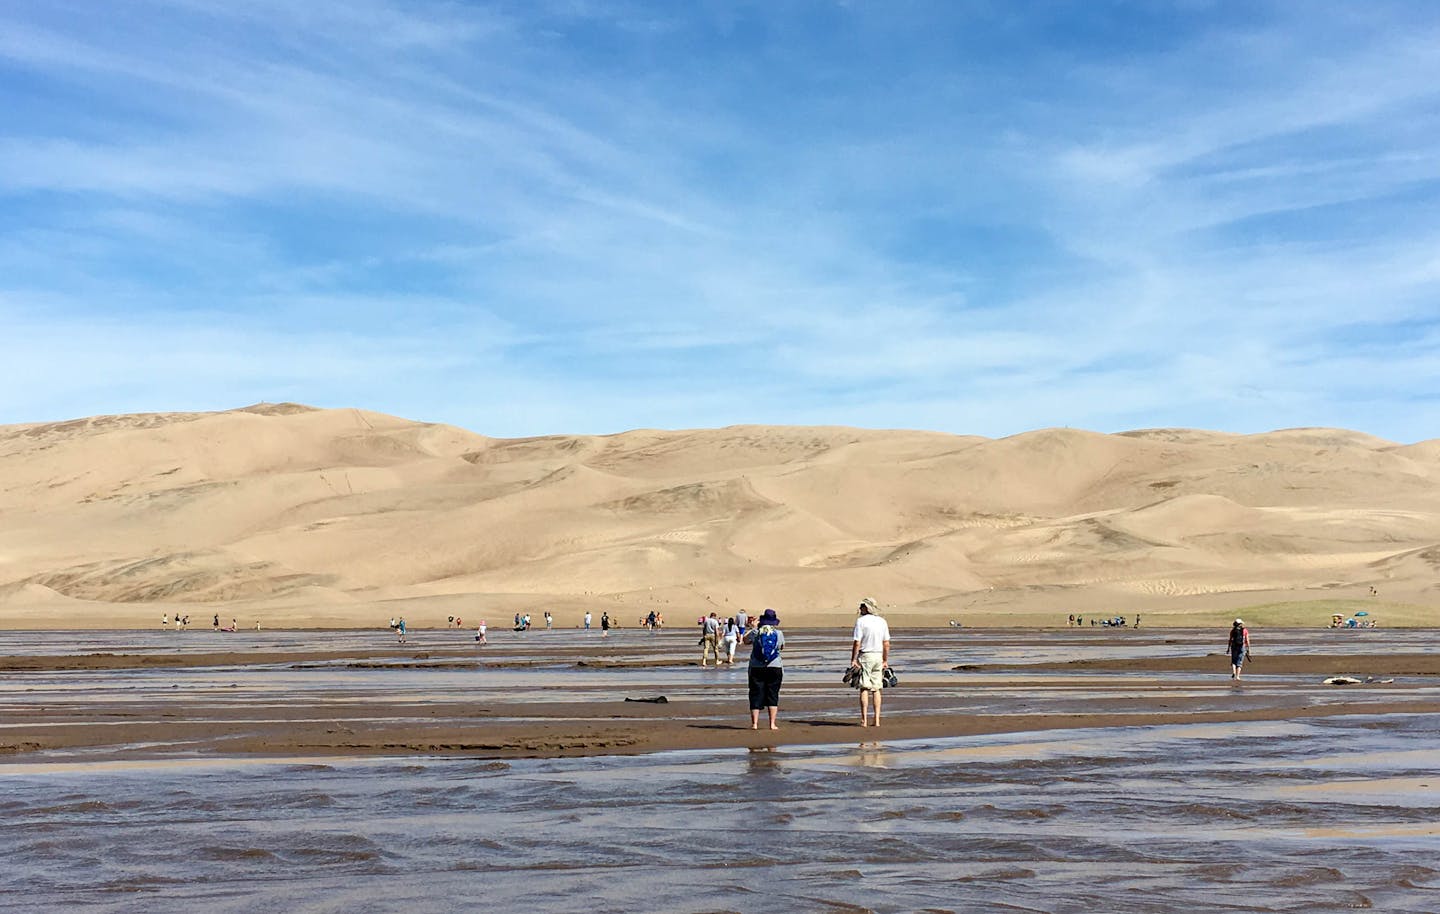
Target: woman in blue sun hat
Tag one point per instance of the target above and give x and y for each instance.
(766, 669)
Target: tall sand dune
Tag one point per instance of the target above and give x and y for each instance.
(309, 516)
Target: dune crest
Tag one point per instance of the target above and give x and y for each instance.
(335, 514)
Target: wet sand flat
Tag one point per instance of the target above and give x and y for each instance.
(1049, 772)
(157, 695)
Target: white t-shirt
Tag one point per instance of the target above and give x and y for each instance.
(872, 632)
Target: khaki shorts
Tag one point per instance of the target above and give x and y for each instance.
(872, 677)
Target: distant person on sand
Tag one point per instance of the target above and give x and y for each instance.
(165, 621)
(870, 654)
(605, 625)
(766, 670)
(742, 619)
(1239, 647)
(480, 633)
(709, 639)
(549, 620)
(587, 620)
(732, 637)
(400, 629)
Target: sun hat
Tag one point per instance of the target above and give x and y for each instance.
(768, 617)
(1239, 621)
(870, 606)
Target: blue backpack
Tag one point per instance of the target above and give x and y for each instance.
(767, 644)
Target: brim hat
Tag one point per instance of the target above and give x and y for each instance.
(768, 617)
(871, 606)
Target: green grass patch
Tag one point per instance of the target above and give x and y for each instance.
(1317, 613)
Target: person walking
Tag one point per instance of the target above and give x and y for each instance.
(549, 621)
(587, 620)
(1239, 647)
(605, 625)
(480, 633)
(732, 637)
(870, 655)
(766, 670)
(709, 639)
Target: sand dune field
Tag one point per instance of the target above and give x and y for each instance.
(300, 517)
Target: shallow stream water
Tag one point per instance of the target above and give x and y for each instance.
(1312, 815)
(1331, 815)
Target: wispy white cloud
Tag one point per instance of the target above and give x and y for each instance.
(581, 217)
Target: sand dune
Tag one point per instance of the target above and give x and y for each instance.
(338, 516)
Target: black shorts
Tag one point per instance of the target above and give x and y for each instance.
(765, 687)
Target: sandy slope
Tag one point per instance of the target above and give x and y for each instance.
(298, 516)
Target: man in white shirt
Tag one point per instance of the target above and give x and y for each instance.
(870, 654)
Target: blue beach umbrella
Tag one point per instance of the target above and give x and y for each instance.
(1362, 613)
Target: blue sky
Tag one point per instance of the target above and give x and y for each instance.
(567, 217)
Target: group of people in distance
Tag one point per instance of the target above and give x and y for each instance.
(183, 622)
(1076, 619)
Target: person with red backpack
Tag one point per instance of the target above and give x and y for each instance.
(766, 670)
(1239, 647)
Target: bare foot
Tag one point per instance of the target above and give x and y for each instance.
(773, 727)
(754, 726)
(864, 723)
